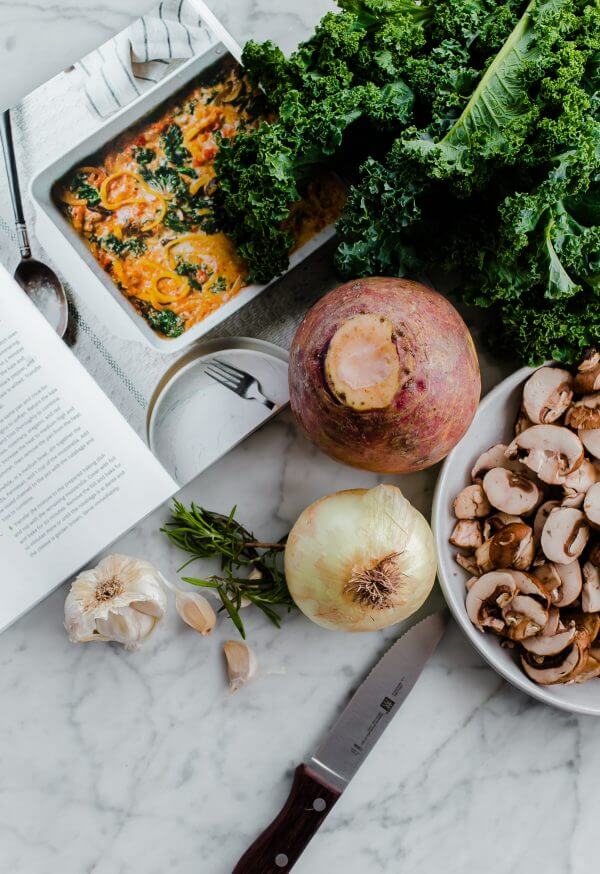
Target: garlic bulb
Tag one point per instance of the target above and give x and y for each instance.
(241, 663)
(122, 599)
(360, 560)
(195, 610)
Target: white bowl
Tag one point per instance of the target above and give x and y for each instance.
(493, 423)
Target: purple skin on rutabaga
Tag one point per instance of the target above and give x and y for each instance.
(384, 375)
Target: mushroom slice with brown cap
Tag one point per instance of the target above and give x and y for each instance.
(511, 547)
(527, 613)
(589, 670)
(565, 535)
(541, 515)
(553, 624)
(547, 395)
(467, 534)
(522, 423)
(591, 441)
(550, 451)
(487, 597)
(471, 503)
(559, 668)
(585, 413)
(549, 645)
(587, 378)
(495, 456)
(571, 581)
(591, 505)
(468, 563)
(494, 523)
(594, 554)
(549, 577)
(578, 483)
(590, 592)
(510, 492)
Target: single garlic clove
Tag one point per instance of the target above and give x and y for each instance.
(241, 663)
(195, 610)
(130, 627)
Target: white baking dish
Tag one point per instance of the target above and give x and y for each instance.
(69, 250)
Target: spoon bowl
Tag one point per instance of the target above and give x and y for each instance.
(36, 279)
(45, 289)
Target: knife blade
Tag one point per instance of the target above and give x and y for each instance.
(319, 782)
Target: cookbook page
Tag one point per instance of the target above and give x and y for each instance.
(116, 163)
(73, 474)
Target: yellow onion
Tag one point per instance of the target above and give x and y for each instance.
(360, 560)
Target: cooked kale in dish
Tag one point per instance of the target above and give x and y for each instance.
(145, 206)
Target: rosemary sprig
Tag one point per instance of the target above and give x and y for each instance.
(205, 534)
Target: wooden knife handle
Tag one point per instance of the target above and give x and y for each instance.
(280, 846)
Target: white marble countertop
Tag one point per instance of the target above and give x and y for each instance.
(118, 763)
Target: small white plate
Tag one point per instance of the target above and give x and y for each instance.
(493, 423)
(193, 421)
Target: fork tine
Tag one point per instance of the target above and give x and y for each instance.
(234, 371)
(221, 379)
(224, 374)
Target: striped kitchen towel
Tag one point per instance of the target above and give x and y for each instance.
(138, 57)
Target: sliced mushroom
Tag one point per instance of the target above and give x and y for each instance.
(471, 503)
(487, 597)
(590, 593)
(560, 668)
(549, 645)
(547, 395)
(527, 613)
(522, 423)
(594, 554)
(550, 451)
(524, 617)
(511, 547)
(571, 581)
(499, 520)
(591, 441)
(578, 483)
(495, 456)
(588, 622)
(510, 492)
(587, 378)
(591, 506)
(467, 534)
(565, 535)
(585, 413)
(549, 577)
(540, 517)
(553, 625)
(469, 564)
(589, 670)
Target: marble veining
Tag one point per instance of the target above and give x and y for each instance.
(113, 763)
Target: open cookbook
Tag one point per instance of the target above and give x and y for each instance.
(118, 201)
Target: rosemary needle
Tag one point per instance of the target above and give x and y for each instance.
(205, 534)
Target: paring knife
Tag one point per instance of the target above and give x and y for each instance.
(319, 783)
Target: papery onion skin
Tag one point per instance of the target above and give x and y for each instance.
(437, 391)
(338, 537)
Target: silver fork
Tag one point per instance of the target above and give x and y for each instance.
(243, 384)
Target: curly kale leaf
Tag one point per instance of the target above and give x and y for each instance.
(535, 332)
(166, 322)
(82, 189)
(172, 142)
(262, 173)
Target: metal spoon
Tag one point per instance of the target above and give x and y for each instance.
(36, 279)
